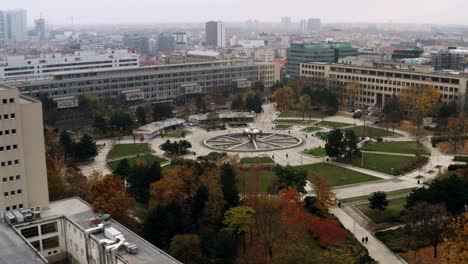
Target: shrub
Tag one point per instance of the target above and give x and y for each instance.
(414, 164)
(453, 167)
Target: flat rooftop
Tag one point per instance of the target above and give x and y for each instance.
(14, 249)
(80, 212)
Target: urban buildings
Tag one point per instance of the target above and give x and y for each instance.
(286, 23)
(45, 64)
(455, 59)
(146, 84)
(165, 42)
(400, 54)
(17, 25)
(40, 28)
(215, 34)
(320, 52)
(313, 24)
(380, 83)
(3, 28)
(137, 43)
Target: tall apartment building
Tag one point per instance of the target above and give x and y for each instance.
(3, 27)
(313, 24)
(138, 43)
(215, 34)
(286, 23)
(315, 52)
(33, 230)
(40, 28)
(145, 84)
(379, 84)
(14, 67)
(17, 25)
(22, 155)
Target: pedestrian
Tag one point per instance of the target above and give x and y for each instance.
(418, 181)
(367, 240)
(273, 156)
(286, 155)
(339, 204)
(363, 240)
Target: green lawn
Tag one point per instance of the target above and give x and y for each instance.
(311, 129)
(290, 121)
(297, 113)
(122, 150)
(333, 124)
(390, 214)
(148, 157)
(407, 147)
(257, 160)
(282, 126)
(177, 133)
(382, 162)
(372, 132)
(247, 180)
(337, 175)
(364, 197)
(318, 152)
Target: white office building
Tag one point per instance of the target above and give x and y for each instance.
(3, 27)
(21, 67)
(17, 25)
(215, 34)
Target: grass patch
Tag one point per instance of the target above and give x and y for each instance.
(372, 132)
(364, 197)
(297, 113)
(337, 175)
(390, 164)
(390, 214)
(289, 121)
(257, 160)
(250, 180)
(177, 133)
(333, 124)
(122, 150)
(282, 126)
(150, 159)
(406, 147)
(311, 129)
(318, 152)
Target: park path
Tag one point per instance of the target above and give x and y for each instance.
(377, 250)
(99, 164)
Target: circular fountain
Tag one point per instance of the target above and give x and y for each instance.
(252, 140)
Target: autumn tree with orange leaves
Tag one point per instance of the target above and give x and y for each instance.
(325, 197)
(456, 238)
(353, 93)
(108, 195)
(284, 98)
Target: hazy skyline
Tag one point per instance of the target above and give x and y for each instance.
(150, 11)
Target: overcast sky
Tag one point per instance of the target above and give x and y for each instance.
(147, 11)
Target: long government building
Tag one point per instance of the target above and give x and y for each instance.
(150, 84)
(380, 83)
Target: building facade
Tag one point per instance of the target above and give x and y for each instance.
(138, 43)
(379, 84)
(165, 42)
(3, 27)
(315, 52)
(31, 67)
(313, 24)
(22, 154)
(145, 84)
(215, 34)
(451, 59)
(17, 25)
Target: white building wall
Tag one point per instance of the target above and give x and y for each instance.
(17, 25)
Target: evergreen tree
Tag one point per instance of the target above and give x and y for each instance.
(350, 146)
(334, 145)
(198, 203)
(378, 201)
(141, 115)
(86, 148)
(228, 181)
(291, 177)
(67, 144)
(123, 169)
(162, 111)
(100, 123)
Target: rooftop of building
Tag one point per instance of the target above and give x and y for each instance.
(81, 212)
(159, 125)
(15, 249)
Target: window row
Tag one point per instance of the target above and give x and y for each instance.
(14, 207)
(8, 100)
(8, 148)
(17, 192)
(11, 178)
(9, 163)
(8, 116)
(8, 132)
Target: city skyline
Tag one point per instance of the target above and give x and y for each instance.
(126, 12)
